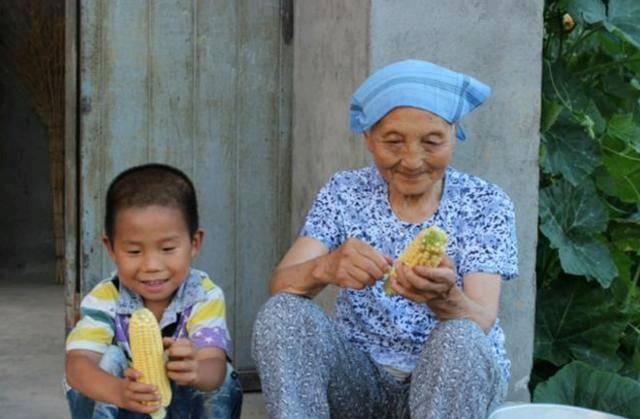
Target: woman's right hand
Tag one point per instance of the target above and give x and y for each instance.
(355, 264)
(134, 393)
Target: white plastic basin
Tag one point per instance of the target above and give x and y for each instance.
(548, 411)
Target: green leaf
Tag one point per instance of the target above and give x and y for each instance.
(625, 129)
(587, 11)
(571, 153)
(578, 384)
(622, 20)
(621, 175)
(568, 217)
(626, 237)
(550, 112)
(568, 209)
(590, 258)
(578, 320)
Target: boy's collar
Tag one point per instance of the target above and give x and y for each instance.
(188, 293)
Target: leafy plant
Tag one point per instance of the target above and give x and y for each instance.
(588, 265)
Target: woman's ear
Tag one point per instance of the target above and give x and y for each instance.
(196, 242)
(368, 139)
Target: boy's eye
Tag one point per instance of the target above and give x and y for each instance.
(133, 252)
(168, 249)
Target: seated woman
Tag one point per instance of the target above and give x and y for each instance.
(434, 348)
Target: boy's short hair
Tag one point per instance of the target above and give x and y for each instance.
(151, 184)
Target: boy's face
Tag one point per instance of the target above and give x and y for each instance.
(153, 251)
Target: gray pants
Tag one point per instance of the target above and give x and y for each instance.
(309, 370)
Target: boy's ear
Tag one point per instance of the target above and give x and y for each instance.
(107, 243)
(196, 242)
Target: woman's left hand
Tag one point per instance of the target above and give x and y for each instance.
(434, 286)
(423, 284)
(182, 366)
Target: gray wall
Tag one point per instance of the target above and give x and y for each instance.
(27, 248)
(337, 45)
(330, 59)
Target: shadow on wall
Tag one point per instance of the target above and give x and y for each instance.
(27, 246)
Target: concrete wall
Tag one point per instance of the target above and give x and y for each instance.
(337, 45)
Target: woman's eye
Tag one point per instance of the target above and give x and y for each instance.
(168, 249)
(133, 252)
(393, 141)
(431, 141)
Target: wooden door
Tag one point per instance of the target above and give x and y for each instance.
(203, 85)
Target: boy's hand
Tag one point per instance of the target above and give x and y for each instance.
(134, 393)
(182, 366)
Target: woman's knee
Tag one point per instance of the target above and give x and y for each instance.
(287, 318)
(458, 335)
(285, 310)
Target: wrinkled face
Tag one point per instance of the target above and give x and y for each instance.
(153, 250)
(411, 148)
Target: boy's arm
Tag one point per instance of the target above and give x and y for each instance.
(84, 374)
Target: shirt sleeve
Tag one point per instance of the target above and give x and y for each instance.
(207, 324)
(489, 243)
(95, 330)
(324, 220)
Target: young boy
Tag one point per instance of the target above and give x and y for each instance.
(152, 234)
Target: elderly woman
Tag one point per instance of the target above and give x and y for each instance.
(434, 348)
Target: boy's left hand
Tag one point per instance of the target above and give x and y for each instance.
(182, 366)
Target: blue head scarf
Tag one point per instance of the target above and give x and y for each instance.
(417, 84)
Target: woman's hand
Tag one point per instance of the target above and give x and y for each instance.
(355, 264)
(424, 284)
(133, 393)
(182, 366)
(437, 288)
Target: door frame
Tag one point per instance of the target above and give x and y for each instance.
(71, 185)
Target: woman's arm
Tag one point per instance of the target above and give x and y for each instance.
(477, 301)
(308, 267)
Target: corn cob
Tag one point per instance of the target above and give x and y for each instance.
(426, 249)
(147, 353)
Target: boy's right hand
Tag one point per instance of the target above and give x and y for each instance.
(134, 393)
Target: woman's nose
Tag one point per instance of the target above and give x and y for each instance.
(412, 158)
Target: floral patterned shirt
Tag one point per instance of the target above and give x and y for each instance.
(477, 216)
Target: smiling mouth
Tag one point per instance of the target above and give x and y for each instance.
(412, 176)
(156, 283)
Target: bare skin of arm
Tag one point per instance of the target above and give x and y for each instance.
(477, 301)
(308, 267)
(84, 375)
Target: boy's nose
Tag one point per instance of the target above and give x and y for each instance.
(151, 263)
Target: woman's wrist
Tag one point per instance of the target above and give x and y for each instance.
(473, 311)
(321, 272)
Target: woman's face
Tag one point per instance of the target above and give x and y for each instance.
(411, 149)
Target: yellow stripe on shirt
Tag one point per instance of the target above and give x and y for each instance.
(207, 284)
(105, 291)
(93, 334)
(213, 308)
